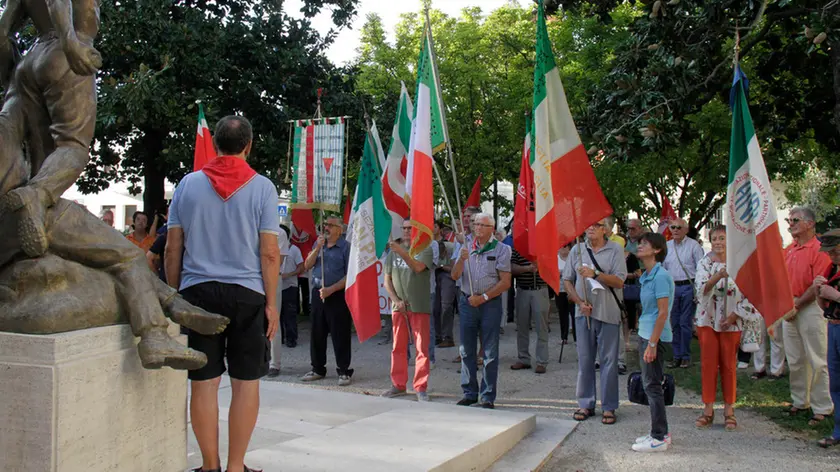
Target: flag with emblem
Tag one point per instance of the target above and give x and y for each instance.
(204, 149)
(318, 166)
(427, 137)
(371, 232)
(567, 197)
(753, 241)
(396, 165)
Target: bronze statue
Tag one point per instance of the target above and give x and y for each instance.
(61, 268)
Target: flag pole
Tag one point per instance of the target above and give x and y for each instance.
(585, 292)
(428, 29)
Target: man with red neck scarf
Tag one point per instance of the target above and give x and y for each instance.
(222, 254)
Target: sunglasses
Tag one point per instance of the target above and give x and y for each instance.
(331, 225)
(793, 221)
(676, 227)
(598, 225)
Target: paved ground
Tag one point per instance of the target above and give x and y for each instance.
(758, 445)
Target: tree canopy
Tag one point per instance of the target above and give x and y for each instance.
(236, 56)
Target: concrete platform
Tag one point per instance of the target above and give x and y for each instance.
(309, 429)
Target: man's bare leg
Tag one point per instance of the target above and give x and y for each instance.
(187, 314)
(242, 418)
(204, 416)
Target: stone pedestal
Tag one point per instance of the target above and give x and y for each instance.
(81, 401)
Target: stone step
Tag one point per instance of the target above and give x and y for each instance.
(534, 451)
(311, 429)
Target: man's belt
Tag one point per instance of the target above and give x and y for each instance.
(680, 283)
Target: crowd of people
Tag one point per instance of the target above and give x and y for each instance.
(225, 250)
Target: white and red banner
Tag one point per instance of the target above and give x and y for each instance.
(318, 163)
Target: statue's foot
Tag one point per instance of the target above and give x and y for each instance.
(31, 229)
(158, 350)
(195, 318)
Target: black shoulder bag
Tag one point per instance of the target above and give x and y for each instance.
(619, 302)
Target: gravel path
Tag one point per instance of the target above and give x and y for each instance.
(758, 445)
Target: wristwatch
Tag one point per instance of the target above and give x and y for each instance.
(486, 298)
(653, 345)
(597, 273)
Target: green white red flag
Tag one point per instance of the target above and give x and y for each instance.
(567, 196)
(396, 165)
(427, 137)
(754, 255)
(204, 149)
(370, 235)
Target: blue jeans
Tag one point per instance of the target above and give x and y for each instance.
(602, 339)
(834, 373)
(682, 321)
(484, 320)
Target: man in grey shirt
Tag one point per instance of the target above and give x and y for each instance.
(681, 262)
(593, 269)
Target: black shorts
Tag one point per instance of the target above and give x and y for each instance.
(244, 342)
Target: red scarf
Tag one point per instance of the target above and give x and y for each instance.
(228, 174)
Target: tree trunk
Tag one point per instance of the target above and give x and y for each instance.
(154, 197)
(496, 200)
(835, 69)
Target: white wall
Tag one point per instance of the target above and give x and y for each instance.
(117, 196)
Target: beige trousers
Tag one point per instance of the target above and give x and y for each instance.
(806, 344)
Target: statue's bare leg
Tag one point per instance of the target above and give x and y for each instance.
(187, 314)
(75, 234)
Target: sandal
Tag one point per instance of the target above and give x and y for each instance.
(704, 421)
(608, 417)
(758, 375)
(793, 411)
(816, 419)
(730, 423)
(827, 442)
(583, 414)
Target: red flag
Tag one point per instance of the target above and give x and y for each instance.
(524, 218)
(204, 149)
(475, 195)
(668, 215)
(304, 233)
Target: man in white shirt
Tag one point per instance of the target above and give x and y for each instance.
(681, 262)
(287, 295)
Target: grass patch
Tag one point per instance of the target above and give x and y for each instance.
(770, 398)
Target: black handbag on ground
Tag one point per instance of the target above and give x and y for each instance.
(636, 390)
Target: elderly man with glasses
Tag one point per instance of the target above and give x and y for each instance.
(483, 280)
(806, 335)
(330, 315)
(681, 262)
(593, 278)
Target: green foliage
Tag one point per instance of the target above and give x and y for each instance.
(237, 56)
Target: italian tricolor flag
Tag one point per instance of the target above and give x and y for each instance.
(755, 259)
(427, 137)
(567, 197)
(204, 149)
(396, 165)
(371, 231)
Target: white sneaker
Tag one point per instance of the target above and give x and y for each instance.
(650, 444)
(343, 380)
(422, 397)
(743, 365)
(642, 439)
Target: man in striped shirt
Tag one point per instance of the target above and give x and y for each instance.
(531, 303)
(480, 307)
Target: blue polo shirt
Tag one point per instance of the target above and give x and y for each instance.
(336, 262)
(222, 238)
(656, 283)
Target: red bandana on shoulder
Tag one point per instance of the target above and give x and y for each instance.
(228, 174)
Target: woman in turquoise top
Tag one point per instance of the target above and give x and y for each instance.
(657, 296)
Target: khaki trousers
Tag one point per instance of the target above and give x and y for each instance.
(806, 345)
